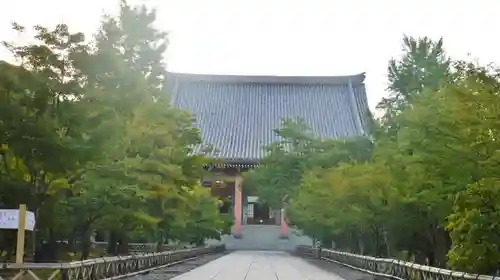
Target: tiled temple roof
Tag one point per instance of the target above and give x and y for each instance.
(237, 114)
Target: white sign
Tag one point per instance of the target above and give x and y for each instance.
(9, 219)
(252, 199)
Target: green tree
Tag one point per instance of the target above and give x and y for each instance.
(297, 152)
(203, 218)
(424, 65)
(40, 120)
(474, 227)
(89, 141)
(422, 70)
(154, 148)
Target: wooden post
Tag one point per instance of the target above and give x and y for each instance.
(284, 226)
(21, 229)
(238, 211)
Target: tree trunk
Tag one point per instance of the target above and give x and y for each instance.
(159, 245)
(53, 246)
(86, 244)
(431, 259)
(430, 243)
(358, 243)
(420, 257)
(123, 244)
(378, 244)
(441, 247)
(72, 243)
(39, 255)
(420, 247)
(387, 244)
(361, 247)
(47, 251)
(112, 243)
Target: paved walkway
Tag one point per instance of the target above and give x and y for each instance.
(258, 265)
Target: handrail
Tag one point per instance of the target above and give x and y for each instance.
(136, 248)
(102, 268)
(390, 268)
(139, 248)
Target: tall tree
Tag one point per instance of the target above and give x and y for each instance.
(132, 39)
(424, 65)
(153, 148)
(89, 141)
(42, 124)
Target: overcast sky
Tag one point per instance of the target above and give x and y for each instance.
(287, 37)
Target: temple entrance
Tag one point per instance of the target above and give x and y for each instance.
(259, 214)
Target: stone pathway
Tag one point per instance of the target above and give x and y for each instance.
(258, 265)
(170, 272)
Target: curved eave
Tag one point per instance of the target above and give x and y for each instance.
(259, 79)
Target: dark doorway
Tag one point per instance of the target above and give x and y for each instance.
(226, 205)
(260, 215)
(261, 211)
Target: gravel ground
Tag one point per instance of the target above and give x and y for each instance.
(176, 270)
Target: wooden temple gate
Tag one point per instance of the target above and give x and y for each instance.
(228, 184)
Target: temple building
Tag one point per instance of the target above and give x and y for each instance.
(237, 115)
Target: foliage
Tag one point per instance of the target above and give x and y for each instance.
(296, 152)
(90, 143)
(425, 190)
(424, 65)
(202, 216)
(474, 228)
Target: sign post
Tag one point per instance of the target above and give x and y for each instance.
(21, 220)
(21, 228)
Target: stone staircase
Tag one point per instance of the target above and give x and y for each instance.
(263, 238)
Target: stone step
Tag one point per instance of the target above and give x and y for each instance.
(263, 237)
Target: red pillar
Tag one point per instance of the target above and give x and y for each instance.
(284, 226)
(238, 211)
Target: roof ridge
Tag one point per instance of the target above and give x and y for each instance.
(267, 79)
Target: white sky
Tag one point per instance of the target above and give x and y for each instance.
(287, 37)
